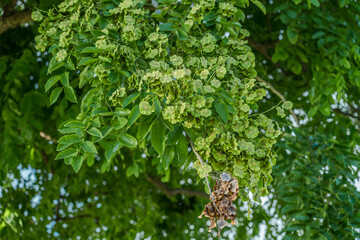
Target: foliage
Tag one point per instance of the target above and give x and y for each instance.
(169, 70)
(122, 88)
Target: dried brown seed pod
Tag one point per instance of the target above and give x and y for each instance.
(221, 205)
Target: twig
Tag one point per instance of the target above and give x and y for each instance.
(47, 137)
(277, 93)
(202, 163)
(171, 192)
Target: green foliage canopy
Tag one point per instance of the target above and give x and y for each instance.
(120, 82)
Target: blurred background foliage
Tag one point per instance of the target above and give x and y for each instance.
(307, 51)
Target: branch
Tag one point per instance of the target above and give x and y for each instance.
(47, 137)
(353, 107)
(71, 218)
(14, 20)
(277, 93)
(171, 192)
(263, 50)
(202, 163)
(9, 7)
(345, 113)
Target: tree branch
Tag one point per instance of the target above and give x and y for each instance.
(47, 137)
(71, 218)
(263, 51)
(9, 7)
(202, 163)
(172, 192)
(14, 20)
(345, 113)
(277, 93)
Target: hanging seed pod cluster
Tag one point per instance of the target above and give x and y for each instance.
(221, 206)
(175, 65)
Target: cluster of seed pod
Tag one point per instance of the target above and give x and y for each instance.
(221, 206)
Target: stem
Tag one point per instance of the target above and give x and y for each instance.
(277, 93)
(202, 163)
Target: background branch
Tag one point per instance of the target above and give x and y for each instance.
(9, 7)
(14, 20)
(71, 218)
(262, 49)
(172, 192)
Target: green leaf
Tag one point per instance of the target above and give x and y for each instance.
(157, 105)
(132, 170)
(90, 159)
(316, 3)
(240, 15)
(111, 150)
(174, 136)
(129, 99)
(134, 115)
(74, 124)
(105, 166)
(102, 111)
(259, 5)
(55, 95)
(53, 65)
(91, 50)
(76, 163)
(64, 78)
(222, 111)
(51, 82)
(72, 138)
(301, 217)
(95, 132)
(288, 207)
(206, 189)
(119, 123)
(293, 227)
(114, 77)
(105, 130)
(69, 64)
(318, 35)
(70, 94)
(120, 112)
(167, 27)
(83, 79)
(296, 67)
(168, 124)
(157, 134)
(182, 150)
(325, 109)
(312, 111)
(292, 35)
(68, 130)
(183, 36)
(67, 161)
(168, 156)
(87, 61)
(70, 152)
(144, 128)
(128, 140)
(88, 147)
(62, 146)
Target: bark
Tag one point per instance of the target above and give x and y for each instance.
(13, 20)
